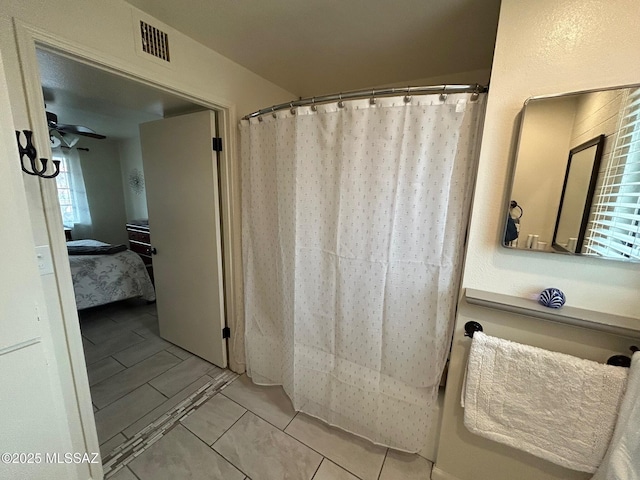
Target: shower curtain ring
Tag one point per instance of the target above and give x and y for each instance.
(443, 95)
(292, 110)
(340, 102)
(407, 97)
(372, 100)
(314, 108)
(273, 112)
(476, 93)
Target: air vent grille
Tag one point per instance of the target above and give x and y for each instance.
(154, 42)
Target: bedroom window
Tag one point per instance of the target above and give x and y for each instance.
(65, 197)
(72, 194)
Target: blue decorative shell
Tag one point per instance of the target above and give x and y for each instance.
(552, 298)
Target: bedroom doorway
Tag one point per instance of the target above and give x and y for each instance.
(135, 375)
(94, 119)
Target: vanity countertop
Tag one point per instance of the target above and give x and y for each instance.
(605, 322)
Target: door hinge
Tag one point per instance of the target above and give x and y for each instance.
(226, 332)
(217, 144)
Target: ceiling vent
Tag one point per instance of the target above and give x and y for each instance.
(154, 42)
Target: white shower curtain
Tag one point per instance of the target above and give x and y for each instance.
(353, 227)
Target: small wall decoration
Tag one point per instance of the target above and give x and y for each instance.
(136, 181)
(552, 298)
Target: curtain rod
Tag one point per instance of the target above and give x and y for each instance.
(371, 92)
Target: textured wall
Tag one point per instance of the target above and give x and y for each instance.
(546, 47)
(130, 161)
(543, 47)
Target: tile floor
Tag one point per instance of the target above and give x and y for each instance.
(244, 432)
(134, 375)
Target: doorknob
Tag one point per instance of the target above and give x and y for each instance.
(154, 251)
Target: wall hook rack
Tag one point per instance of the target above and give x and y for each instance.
(29, 151)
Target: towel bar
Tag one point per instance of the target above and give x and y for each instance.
(622, 360)
(471, 327)
(617, 360)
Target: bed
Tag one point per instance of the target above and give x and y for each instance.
(102, 279)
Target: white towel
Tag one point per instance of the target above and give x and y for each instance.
(555, 406)
(622, 461)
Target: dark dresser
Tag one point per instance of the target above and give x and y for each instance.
(140, 242)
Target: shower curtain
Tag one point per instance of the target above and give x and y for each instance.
(353, 227)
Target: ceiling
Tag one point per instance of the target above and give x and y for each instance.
(109, 104)
(307, 47)
(317, 47)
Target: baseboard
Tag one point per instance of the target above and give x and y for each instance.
(437, 474)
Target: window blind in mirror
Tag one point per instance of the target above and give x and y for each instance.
(614, 223)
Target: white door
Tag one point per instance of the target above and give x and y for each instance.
(181, 177)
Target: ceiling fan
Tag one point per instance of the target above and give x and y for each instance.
(68, 133)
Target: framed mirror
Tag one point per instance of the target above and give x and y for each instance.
(576, 182)
(577, 195)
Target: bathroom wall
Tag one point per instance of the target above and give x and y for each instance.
(546, 47)
(542, 47)
(465, 456)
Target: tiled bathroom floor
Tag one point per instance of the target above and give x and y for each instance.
(246, 431)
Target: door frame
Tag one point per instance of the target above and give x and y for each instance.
(28, 37)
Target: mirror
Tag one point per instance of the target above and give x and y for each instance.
(576, 183)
